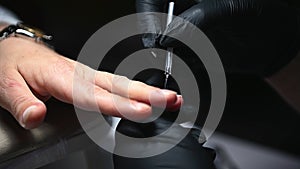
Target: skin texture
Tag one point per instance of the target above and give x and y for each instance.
(31, 73)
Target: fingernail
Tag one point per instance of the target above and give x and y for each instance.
(26, 114)
(161, 94)
(141, 106)
(180, 99)
(168, 92)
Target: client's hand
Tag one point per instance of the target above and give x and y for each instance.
(30, 73)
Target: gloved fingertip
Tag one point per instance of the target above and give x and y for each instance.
(148, 43)
(164, 41)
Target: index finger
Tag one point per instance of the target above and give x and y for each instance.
(136, 90)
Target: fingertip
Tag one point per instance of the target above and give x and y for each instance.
(33, 116)
(171, 97)
(141, 112)
(177, 104)
(144, 110)
(163, 98)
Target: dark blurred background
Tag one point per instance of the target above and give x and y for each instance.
(70, 22)
(254, 111)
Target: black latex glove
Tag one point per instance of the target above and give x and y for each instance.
(154, 23)
(252, 36)
(188, 154)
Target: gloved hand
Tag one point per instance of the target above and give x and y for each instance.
(152, 22)
(187, 154)
(251, 36)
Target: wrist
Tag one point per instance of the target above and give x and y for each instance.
(25, 32)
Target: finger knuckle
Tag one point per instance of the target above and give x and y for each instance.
(62, 66)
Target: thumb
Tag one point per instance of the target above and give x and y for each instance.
(18, 99)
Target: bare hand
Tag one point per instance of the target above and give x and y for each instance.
(30, 73)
